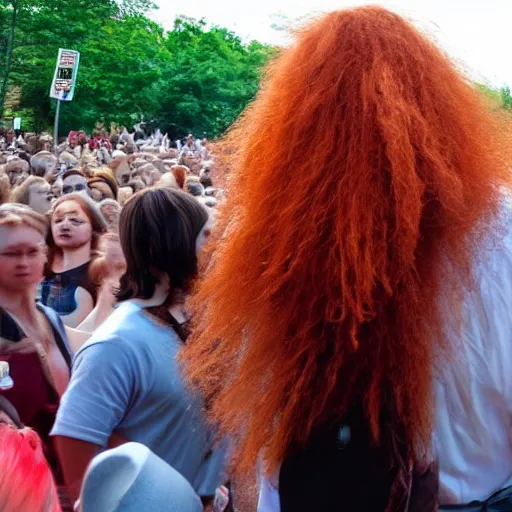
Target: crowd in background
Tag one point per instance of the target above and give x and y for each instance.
(63, 256)
(113, 164)
(104, 169)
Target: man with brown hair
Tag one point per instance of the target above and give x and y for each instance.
(75, 181)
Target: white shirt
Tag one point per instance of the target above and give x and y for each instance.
(473, 436)
(269, 497)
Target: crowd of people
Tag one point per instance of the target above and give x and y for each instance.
(345, 338)
(80, 230)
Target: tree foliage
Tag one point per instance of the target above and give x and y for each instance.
(506, 97)
(211, 77)
(194, 78)
(501, 97)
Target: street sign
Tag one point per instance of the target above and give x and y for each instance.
(64, 78)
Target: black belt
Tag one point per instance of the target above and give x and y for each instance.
(500, 501)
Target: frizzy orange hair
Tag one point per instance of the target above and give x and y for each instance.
(368, 171)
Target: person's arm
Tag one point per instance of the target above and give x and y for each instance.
(92, 407)
(85, 304)
(75, 456)
(76, 338)
(104, 307)
(91, 323)
(95, 318)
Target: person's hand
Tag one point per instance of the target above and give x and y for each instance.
(220, 502)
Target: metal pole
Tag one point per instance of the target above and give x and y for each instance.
(56, 128)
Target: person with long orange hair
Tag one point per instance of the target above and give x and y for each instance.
(337, 291)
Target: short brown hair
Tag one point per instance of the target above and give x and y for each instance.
(105, 176)
(158, 230)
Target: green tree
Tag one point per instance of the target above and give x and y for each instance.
(135, 7)
(501, 97)
(506, 97)
(120, 63)
(194, 78)
(210, 79)
(38, 28)
(9, 14)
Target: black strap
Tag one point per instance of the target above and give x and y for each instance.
(10, 410)
(9, 329)
(162, 313)
(499, 501)
(182, 330)
(59, 332)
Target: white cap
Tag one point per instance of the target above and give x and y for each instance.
(131, 478)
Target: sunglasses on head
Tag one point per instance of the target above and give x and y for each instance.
(67, 189)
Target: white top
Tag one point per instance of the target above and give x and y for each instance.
(269, 497)
(474, 395)
(473, 437)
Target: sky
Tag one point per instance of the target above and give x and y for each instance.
(476, 33)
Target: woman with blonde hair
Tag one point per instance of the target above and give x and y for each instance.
(33, 340)
(73, 244)
(329, 312)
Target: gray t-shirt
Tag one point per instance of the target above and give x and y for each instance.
(126, 379)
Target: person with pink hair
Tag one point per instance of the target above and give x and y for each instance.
(27, 483)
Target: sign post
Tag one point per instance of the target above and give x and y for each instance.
(63, 84)
(56, 128)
